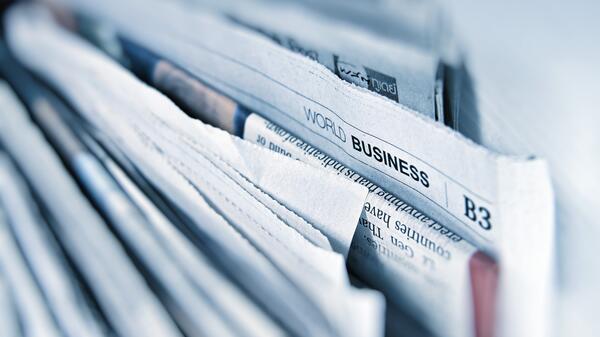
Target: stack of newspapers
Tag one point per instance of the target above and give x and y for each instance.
(257, 168)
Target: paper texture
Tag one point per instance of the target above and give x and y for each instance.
(486, 198)
(418, 262)
(399, 72)
(63, 296)
(176, 146)
(130, 306)
(245, 317)
(28, 299)
(8, 314)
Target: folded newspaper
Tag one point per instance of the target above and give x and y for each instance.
(221, 168)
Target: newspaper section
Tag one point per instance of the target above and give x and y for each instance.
(276, 179)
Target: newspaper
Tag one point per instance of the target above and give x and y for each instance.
(244, 316)
(396, 242)
(8, 314)
(177, 145)
(442, 270)
(125, 219)
(331, 215)
(130, 307)
(28, 298)
(482, 196)
(63, 296)
(129, 224)
(397, 71)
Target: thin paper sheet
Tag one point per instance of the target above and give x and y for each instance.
(418, 263)
(245, 316)
(399, 72)
(130, 306)
(320, 274)
(485, 197)
(48, 267)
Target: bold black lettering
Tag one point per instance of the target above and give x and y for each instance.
(384, 157)
(485, 220)
(356, 143)
(377, 154)
(392, 161)
(414, 173)
(365, 149)
(424, 179)
(470, 209)
(403, 167)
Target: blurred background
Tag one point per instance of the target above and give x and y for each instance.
(535, 68)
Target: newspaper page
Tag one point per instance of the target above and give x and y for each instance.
(120, 289)
(244, 315)
(395, 70)
(416, 261)
(317, 272)
(484, 197)
(35, 315)
(432, 273)
(8, 313)
(48, 267)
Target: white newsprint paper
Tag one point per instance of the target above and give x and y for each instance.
(199, 162)
(9, 317)
(418, 263)
(121, 291)
(48, 267)
(395, 70)
(503, 204)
